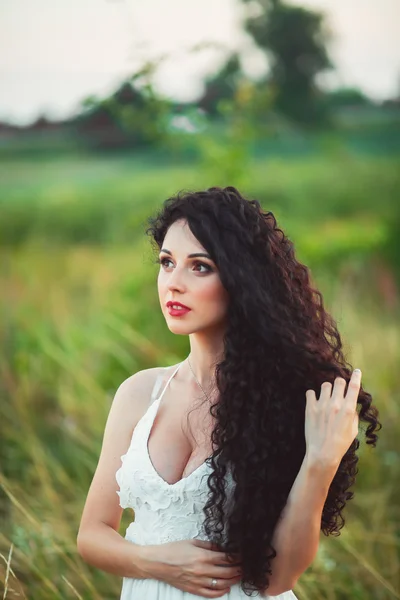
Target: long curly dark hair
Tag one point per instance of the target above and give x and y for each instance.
(279, 342)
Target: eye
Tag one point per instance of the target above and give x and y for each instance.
(197, 263)
(162, 261)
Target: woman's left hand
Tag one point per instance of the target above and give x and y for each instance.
(331, 422)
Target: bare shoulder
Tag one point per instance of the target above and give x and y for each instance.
(130, 402)
(138, 386)
(133, 396)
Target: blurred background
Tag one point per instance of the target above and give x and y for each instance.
(107, 108)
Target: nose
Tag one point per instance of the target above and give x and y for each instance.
(176, 280)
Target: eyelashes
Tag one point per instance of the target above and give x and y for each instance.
(164, 260)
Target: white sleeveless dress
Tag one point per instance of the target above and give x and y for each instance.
(164, 512)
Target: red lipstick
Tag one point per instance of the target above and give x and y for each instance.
(177, 309)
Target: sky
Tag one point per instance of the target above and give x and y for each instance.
(55, 53)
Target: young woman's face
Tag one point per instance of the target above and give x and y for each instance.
(190, 280)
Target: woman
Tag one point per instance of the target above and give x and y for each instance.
(230, 462)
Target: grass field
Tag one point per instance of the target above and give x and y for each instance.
(80, 313)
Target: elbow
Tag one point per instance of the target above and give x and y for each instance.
(287, 587)
(81, 545)
(278, 588)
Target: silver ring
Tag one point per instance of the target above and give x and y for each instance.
(213, 583)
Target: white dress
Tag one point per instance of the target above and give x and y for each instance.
(164, 512)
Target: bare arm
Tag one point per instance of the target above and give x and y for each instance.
(296, 536)
(98, 541)
(107, 550)
(331, 425)
(188, 565)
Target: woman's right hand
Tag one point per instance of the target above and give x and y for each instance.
(190, 565)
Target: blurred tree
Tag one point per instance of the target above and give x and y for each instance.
(134, 116)
(348, 97)
(226, 152)
(221, 86)
(294, 38)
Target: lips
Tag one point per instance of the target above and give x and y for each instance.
(177, 312)
(170, 304)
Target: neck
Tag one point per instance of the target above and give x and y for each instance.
(205, 353)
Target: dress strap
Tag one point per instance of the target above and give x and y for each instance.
(158, 384)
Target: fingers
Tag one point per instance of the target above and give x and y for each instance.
(217, 566)
(222, 583)
(347, 403)
(204, 543)
(353, 389)
(311, 397)
(224, 572)
(213, 550)
(221, 559)
(329, 391)
(215, 556)
(326, 390)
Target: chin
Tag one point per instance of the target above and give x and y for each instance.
(180, 328)
(179, 331)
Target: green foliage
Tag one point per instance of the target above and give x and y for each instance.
(133, 116)
(80, 320)
(221, 86)
(347, 96)
(81, 313)
(294, 38)
(106, 201)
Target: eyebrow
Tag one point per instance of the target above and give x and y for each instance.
(195, 255)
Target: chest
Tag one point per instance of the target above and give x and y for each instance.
(179, 440)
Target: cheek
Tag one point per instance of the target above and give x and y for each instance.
(212, 292)
(161, 283)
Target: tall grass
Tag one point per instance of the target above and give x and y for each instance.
(79, 318)
(105, 200)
